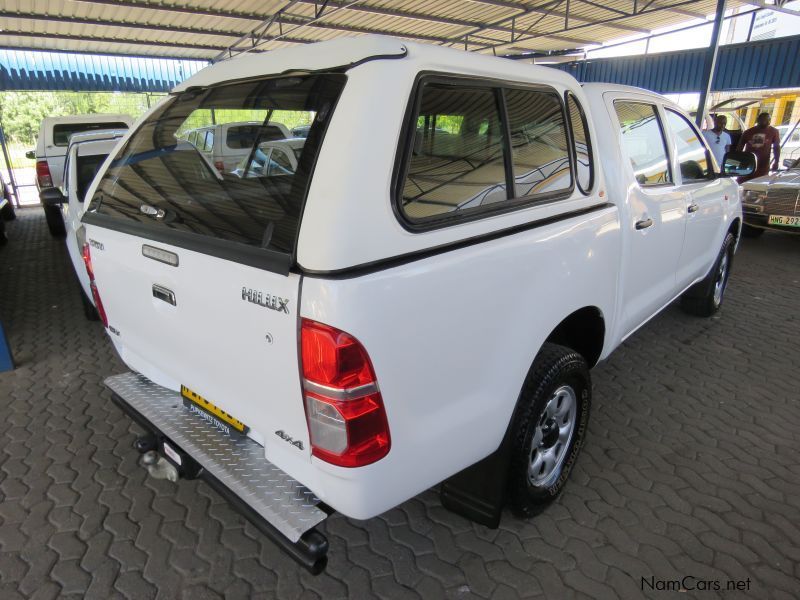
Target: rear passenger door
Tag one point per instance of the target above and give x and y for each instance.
(654, 220)
(703, 196)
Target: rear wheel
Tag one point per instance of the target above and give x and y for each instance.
(749, 231)
(55, 221)
(3, 236)
(705, 297)
(549, 428)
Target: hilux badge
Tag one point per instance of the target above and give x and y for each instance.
(266, 300)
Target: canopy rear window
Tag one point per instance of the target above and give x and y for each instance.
(172, 182)
(62, 132)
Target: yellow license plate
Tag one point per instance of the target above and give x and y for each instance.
(213, 414)
(784, 220)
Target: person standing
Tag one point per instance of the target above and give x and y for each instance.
(718, 139)
(760, 140)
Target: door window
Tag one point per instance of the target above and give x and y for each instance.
(457, 157)
(643, 142)
(692, 154)
(539, 143)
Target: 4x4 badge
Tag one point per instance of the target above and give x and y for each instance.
(266, 300)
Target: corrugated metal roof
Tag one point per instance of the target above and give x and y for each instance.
(201, 29)
(26, 70)
(765, 64)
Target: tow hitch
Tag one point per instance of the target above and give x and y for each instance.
(165, 459)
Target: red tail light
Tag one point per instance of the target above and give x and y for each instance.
(344, 409)
(219, 166)
(43, 174)
(98, 303)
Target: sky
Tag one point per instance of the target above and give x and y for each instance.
(768, 24)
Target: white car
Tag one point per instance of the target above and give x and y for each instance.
(773, 201)
(272, 158)
(790, 142)
(51, 151)
(347, 336)
(86, 153)
(226, 145)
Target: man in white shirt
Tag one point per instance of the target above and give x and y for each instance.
(718, 139)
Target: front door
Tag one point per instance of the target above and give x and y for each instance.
(704, 197)
(654, 219)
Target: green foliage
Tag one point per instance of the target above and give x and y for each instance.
(21, 113)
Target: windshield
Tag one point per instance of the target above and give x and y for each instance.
(170, 174)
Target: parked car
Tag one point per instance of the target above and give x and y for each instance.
(226, 145)
(773, 201)
(86, 152)
(272, 158)
(400, 311)
(51, 150)
(790, 141)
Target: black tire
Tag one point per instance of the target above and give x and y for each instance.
(3, 236)
(7, 213)
(749, 231)
(89, 311)
(55, 221)
(705, 297)
(556, 369)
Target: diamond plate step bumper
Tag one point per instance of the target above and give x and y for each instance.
(236, 462)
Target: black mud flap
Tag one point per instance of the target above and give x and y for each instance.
(479, 491)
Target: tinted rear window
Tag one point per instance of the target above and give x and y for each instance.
(87, 169)
(62, 132)
(243, 136)
(198, 193)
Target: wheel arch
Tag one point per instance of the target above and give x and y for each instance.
(736, 228)
(584, 331)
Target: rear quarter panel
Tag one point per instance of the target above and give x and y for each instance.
(451, 338)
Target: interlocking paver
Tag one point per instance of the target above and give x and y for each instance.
(692, 466)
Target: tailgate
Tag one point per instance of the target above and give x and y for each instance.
(226, 331)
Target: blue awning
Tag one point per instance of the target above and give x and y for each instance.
(768, 64)
(68, 71)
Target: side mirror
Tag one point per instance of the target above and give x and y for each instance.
(789, 162)
(52, 197)
(738, 164)
(30, 155)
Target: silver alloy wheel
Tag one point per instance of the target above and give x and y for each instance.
(552, 436)
(722, 278)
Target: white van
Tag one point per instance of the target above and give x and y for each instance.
(53, 139)
(416, 305)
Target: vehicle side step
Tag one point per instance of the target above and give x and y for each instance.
(234, 465)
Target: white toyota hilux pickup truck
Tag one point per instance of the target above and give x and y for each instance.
(414, 306)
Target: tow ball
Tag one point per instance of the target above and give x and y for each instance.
(164, 459)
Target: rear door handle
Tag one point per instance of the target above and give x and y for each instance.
(164, 294)
(644, 223)
(693, 208)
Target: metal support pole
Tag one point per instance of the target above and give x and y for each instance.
(9, 167)
(752, 23)
(710, 62)
(6, 359)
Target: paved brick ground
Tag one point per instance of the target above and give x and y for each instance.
(692, 468)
